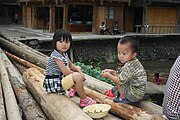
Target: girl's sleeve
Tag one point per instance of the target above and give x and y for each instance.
(56, 56)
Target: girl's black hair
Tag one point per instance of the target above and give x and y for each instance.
(61, 35)
(132, 40)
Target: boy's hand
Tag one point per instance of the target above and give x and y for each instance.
(105, 74)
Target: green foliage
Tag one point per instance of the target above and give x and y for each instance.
(94, 72)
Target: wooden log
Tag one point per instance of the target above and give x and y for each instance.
(12, 108)
(122, 110)
(24, 62)
(27, 102)
(56, 107)
(30, 107)
(23, 53)
(2, 109)
(125, 111)
(15, 41)
(108, 117)
(97, 85)
(75, 99)
(100, 86)
(10, 68)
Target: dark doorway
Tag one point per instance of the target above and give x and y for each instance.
(80, 18)
(138, 16)
(59, 17)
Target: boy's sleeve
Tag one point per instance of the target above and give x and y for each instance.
(125, 75)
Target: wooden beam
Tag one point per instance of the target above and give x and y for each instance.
(65, 15)
(101, 2)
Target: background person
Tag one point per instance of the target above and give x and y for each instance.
(171, 101)
(157, 78)
(16, 18)
(102, 28)
(115, 28)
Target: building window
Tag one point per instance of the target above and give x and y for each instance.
(109, 12)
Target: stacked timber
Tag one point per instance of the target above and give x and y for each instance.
(119, 109)
(50, 103)
(34, 79)
(75, 99)
(12, 108)
(94, 84)
(41, 61)
(14, 79)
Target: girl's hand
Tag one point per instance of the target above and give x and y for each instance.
(80, 71)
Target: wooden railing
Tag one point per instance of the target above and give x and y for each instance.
(157, 29)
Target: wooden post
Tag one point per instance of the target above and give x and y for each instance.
(94, 18)
(65, 16)
(52, 19)
(33, 17)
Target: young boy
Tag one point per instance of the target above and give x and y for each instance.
(131, 78)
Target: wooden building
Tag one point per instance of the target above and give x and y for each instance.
(144, 16)
(158, 16)
(8, 9)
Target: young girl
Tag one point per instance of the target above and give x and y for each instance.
(61, 73)
(131, 78)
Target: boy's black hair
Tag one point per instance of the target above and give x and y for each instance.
(61, 34)
(132, 40)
